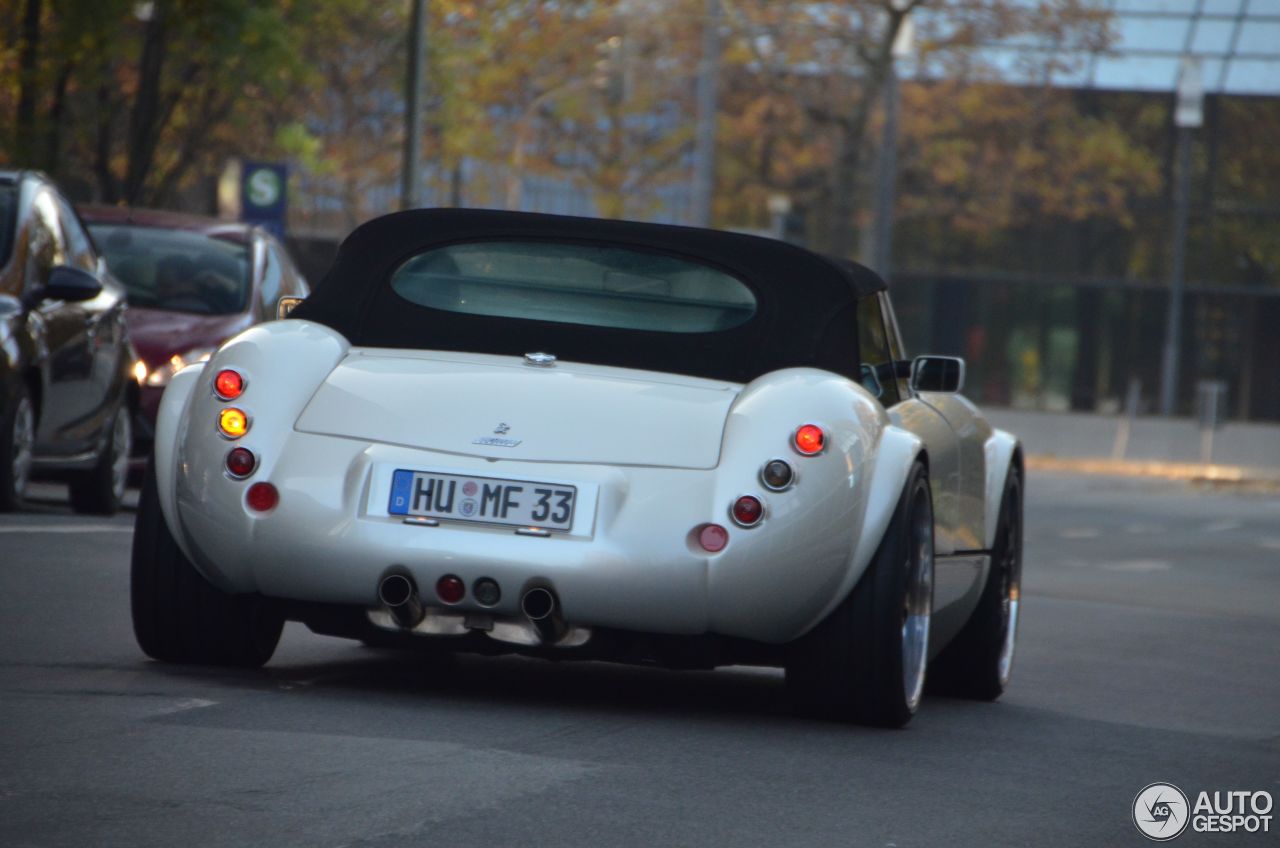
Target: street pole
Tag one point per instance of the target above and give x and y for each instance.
(704, 151)
(411, 167)
(1188, 115)
(886, 177)
(887, 170)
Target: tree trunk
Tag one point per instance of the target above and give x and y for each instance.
(145, 119)
(53, 133)
(28, 83)
(842, 231)
(108, 189)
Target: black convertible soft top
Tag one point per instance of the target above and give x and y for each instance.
(805, 303)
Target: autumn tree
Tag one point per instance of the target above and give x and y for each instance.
(812, 76)
(130, 98)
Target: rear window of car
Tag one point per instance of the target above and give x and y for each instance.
(177, 270)
(595, 285)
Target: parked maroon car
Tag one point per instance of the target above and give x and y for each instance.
(192, 282)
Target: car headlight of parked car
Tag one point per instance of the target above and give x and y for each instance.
(161, 375)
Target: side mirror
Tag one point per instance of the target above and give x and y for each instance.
(937, 374)
(285, 305)
(71, 284)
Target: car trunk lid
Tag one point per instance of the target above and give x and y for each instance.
(500, 407)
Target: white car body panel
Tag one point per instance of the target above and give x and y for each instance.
(446, 402)
(653, 456)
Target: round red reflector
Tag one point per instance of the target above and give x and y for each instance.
(241, 462)
(747, 510)
(450, 589)
(228, 385)
(810, 439)
(713, 538)
(262, 497)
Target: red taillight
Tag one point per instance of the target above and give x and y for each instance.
(262, 497)
(810, 439)
(228, 384)
(450, 589)
(713, 538)
(241, 462)
(747, 510)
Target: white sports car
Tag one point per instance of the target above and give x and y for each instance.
(493, 431)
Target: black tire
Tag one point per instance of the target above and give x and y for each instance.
(100, 490)
(180, 617)
(974, 664)
(850, 667)
(17, 442)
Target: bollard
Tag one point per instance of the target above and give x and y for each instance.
(1211, 406)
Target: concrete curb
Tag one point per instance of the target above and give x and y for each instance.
(1262, 479)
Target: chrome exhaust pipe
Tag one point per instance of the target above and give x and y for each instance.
(541, 607)
(399, 595)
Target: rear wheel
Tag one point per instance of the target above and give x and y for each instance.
(979, 661)
(17, 447)
(101, 489)
(866, 661)
(180, 617)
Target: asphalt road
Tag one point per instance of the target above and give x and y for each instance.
(1149, 652)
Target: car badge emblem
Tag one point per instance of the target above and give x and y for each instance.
(540, 360)
(496, 440)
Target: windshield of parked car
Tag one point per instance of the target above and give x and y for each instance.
(8, 204)
(177, 270)
(596, 285)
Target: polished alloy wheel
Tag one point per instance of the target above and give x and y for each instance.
(1010, 589)
(918, 601)
(23, 447)
(120, 434)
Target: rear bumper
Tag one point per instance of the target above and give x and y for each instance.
(636, 567)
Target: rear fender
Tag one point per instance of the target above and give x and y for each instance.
(777, 580)
(282, 362)
(999, 450)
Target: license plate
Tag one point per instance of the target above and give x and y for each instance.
(482, 499)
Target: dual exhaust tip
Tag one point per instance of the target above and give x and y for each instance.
(399, 595)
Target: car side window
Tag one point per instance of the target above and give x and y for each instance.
(80, 251)
(877, 367)
(272, 275)
(45, 247)
(896, 350)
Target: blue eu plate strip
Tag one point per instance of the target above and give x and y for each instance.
(401, 491)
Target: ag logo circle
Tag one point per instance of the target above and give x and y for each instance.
(264, 187)
(1161, 811)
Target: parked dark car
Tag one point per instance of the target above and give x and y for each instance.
(193, 282)
(66, 364)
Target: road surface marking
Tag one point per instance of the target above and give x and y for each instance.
(185, 704)
(1221, 526)
(65, 528)
(1137, 565)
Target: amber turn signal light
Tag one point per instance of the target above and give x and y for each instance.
(233, 423)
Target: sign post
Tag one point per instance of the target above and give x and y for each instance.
(263, 195)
